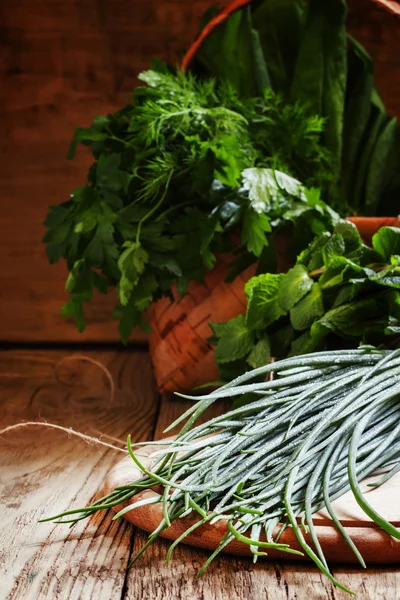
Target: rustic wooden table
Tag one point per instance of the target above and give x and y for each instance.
(45, 471)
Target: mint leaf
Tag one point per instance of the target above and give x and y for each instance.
(295, 284)
(260, 355)
(334, 247)
(350, 235)
(393, 326)
(281, 340)
(255, 226)
(228, 371)
(236, 342)
(262, 293)
(305, 344)
(313, 196)
(394, 304)
(348, 319)
(390, 277)
(311, 257)
(347, 293)
(386, 242)
(308, 309)
(341, 269)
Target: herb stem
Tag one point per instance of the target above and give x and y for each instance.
(154, 209)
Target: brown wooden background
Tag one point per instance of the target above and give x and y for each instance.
(61, 63)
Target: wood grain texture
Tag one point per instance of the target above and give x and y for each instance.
(239, 578)
(230, 577)
(44, 472)
(61, 63)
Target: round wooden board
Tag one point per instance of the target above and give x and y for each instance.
(376, 546)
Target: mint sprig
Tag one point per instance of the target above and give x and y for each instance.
(340, 293)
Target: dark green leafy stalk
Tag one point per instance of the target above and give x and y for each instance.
(389, 203)
(340, 292)
(234, 54)
(357, 112)
(261, 72)
(335, 74)
(377, 167)
(370, 138)
(308, 80)
(321, 70)
(325, 422)
(279, 24)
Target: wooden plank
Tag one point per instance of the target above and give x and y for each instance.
(61, 63)
(234, 577)
(44, 471)
(230, 577)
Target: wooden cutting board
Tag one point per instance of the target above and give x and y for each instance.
(375, 545)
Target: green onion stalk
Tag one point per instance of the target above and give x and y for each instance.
(303, 431)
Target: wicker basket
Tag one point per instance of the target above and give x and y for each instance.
(181, 356)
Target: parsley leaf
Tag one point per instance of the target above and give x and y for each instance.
(131, 263)
(255, 226)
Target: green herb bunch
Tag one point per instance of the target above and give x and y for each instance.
(302, 51)
(339, 293)
(165, 192)
(312, 432)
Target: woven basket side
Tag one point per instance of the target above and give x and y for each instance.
(181, 355)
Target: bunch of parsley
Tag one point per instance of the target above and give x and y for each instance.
(164, 193)
(340, 293)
